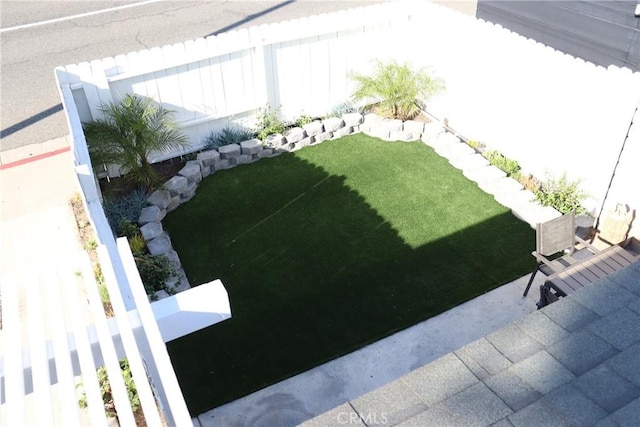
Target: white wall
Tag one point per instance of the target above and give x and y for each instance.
(551, 112)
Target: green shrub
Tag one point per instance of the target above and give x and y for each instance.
(509, 166)
(397, 87)
(127, 228)
(561, 194)
(269, 123)
(102, 287)
(155, 270)
(228, 135)
(137, 244)
(303, 120)
(341, 109)
(91, 245)
(125, 208)
(105, 389)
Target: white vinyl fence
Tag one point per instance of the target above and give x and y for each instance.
(551, 112)
(301, 66)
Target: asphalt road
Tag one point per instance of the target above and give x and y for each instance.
(30, 109)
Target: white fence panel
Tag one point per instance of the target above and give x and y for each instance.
(532, 103)
(289, 92)
(214, 71)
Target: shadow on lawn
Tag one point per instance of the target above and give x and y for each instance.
(317, 274)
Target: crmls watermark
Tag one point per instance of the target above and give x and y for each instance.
(369, 418)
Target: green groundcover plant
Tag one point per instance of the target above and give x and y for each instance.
(562, 194)
(328, 249)
(228, 135)
(106, 392)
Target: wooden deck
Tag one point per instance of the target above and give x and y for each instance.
(590, 270)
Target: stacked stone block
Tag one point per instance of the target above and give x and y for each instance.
(505, 190)
(159, 243)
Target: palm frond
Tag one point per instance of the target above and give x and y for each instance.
(396, 87)
(131, 129)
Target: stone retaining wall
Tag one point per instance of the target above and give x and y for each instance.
(182, 187)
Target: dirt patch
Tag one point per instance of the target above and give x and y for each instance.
(89, 243)
(378, 110)
(119, 186)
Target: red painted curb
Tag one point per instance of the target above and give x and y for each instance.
(34, 158)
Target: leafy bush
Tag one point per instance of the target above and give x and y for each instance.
(397, 87)
(127, 228)
(137, 244)
(562, 194)
(155, 270)
(509, 166)
(132, 129)
(105, 389)
(303, 120)
(228, 135)
(190, 156)
(269, 123)
(125, 208)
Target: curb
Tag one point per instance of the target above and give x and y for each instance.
(33, 158)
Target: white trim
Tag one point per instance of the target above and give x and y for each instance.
(13, 380)
(84, 352)
(39, 356)
(64, 369)
(131, 346)
(175, 406)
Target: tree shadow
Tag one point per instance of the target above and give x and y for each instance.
(251, 17)
(314, 272)
(29, 121)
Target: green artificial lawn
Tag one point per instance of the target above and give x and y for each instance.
(328, 249)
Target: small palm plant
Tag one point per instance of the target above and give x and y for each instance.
(397, 87)
(130, 131)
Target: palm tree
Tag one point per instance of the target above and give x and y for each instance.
(397, 87)
(130, 131)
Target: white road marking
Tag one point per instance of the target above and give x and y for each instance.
(80, 15)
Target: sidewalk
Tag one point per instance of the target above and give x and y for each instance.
(37, 225)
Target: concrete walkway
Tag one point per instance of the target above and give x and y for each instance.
(318, 390)
(37, 226)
